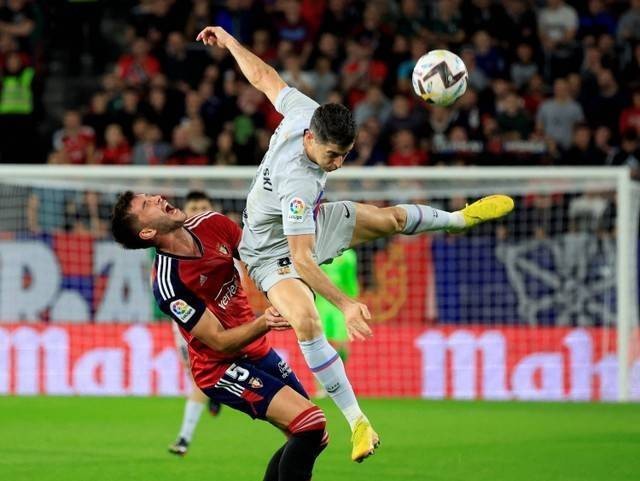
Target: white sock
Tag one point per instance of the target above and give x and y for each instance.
(326, 365)
(192, 412)
(422, 218)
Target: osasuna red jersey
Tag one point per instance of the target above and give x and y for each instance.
(185, 287)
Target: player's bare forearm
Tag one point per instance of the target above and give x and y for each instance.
(261, 75)
(320, 282)
(210, 331)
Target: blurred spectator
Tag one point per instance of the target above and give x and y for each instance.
(557, 117)
(74, 143)
(596, 21)
(89, 214)
(365, 151)
(412, 19)
(523, 68)
(405, 69)
(405, 152)
(582, 150)
(629, 153)
(98, 117)
(263, 47)
(117, 150)
(139, 66)
(150, 149)
(403, 116)
(446, 22)
(605, 107)
(292, 27)
(183, 153)
(360, 70)
(520, 25)
(18, 19)
(629, 24)
(294, 76)
(477, 78)
(323, 79)
(630, 117)
(375, 104)
(513, 120)
(484, 15)
(631, 72)
(17, 127)
(488, 57)
(225, 154)
(199, 17)
(557, 27)
(126, 110)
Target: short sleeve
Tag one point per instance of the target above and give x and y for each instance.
(230, 231)
(290, 99)
(298, 196)
(183, 306)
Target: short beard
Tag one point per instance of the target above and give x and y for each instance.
(166, 226)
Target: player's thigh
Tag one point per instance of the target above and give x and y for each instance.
(294, 301)
(277, 367)
(285, 406)
(375, 222)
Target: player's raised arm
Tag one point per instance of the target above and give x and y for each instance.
(211, 332)
(259, 74)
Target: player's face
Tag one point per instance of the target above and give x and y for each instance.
(329, 156)
(154, 212)
(199, 206)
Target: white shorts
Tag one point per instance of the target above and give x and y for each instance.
(334, 229)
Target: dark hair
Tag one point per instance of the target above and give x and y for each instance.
(124, 225)
(333, 123)
(196, 195)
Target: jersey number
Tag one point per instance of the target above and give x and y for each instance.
(238, 373)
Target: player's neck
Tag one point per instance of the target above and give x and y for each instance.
(180, 243)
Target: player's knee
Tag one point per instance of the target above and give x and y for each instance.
(398, 219)
(306, 324)
(311, 423)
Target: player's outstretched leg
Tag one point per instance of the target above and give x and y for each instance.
(294, 300)
(374, 222)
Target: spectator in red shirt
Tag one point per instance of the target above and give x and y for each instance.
(630, 117)
(74, 143)
(405, 153)
(139, 66)
(182, 153)
(117, 150)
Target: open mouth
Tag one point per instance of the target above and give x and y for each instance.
(168, 208)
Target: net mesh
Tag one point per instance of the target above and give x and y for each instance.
(524, 308)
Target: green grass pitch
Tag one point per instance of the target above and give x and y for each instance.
(118, 439)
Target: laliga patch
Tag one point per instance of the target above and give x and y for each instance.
(297, 209)
(182, 310)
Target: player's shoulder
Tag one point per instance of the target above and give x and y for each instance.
(165, 277)
(204, 219)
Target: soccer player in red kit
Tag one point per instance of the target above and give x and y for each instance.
(197, 284)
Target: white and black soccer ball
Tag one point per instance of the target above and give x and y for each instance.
(440, 77)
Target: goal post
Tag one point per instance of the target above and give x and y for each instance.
(542, 305)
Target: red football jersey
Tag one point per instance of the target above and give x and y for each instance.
(185, 287)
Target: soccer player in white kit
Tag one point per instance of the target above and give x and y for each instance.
(288, 232)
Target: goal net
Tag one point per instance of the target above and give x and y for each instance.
(542, 305)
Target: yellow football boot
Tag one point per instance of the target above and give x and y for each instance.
(364, 439)
(488, 208)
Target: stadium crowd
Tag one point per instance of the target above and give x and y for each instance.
(550, 81)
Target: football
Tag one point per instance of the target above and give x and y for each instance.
(440, 77)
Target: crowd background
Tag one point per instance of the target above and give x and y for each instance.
(551, 82)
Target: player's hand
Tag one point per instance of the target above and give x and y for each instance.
(275, 322)
(356, 316)
(215, 36)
